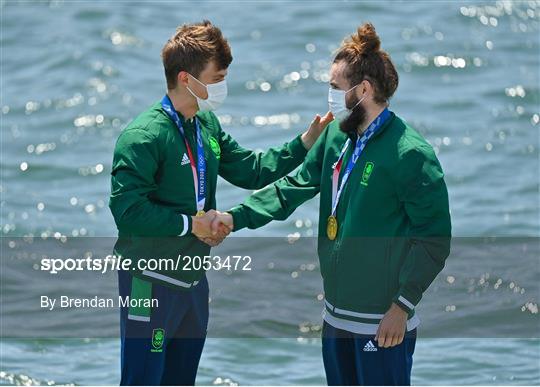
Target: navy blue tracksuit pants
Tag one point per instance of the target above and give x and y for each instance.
(352, 359)
(179, 324)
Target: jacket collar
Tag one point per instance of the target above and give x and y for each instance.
(189, 122)
(386, 124)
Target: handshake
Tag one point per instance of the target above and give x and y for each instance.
(212, 227)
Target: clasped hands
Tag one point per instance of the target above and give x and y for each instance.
(212, 227)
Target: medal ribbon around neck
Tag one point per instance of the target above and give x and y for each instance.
(199, 172)
(361, 143)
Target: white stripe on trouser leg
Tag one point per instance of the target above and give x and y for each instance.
(138, 318)
(168, 279)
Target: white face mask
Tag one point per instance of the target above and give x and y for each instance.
(217, 92)
(338, 104)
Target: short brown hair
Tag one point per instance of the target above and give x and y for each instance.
(365, 59)
(191, 48)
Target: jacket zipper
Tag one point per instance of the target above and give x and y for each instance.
(335, 253)
(335, 258)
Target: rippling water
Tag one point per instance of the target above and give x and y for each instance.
(75, 73)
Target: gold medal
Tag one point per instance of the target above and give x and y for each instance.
(200, 213)
(331, 227)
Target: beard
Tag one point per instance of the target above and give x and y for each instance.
(356, 118)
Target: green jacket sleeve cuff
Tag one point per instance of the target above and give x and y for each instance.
(297, 148)
(405, 300)
(239, 217)
(184, 224)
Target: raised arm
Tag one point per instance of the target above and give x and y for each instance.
(279, 200)
(253, 170)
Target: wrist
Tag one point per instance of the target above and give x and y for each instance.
(399, 309)
(307, 140)
(195, 225)
(230, 220)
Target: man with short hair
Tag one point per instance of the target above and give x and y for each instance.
(163, 185)
(384, 221)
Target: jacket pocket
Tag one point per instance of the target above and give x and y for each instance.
(362, 274)
(398, 250)
(326, 256)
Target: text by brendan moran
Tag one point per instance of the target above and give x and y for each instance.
(51, 303)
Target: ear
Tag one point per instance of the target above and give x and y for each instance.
(182, 78)
(364, 88)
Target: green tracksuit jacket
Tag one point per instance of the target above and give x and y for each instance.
(393, 215)
(152, 191)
